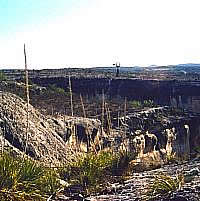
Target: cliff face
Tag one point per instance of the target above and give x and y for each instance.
(183, 94)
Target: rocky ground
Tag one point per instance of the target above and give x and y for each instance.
(136, 187)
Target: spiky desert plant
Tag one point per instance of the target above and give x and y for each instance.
(25, 179)
(89, 169)
(165, 184)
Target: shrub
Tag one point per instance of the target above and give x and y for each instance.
(88, 169)
(24, 179)
(148, 103)
(2, 77)
(91, 170)
(136, 104)
(53, 88)
(165, 184)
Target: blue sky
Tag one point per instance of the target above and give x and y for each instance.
(17, 15)
(85, 33)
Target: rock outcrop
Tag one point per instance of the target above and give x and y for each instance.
(48, 139)
(161, 133)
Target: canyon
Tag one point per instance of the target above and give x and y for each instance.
(176, 93)
(167, 132)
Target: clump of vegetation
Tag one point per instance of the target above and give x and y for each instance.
(88, 169)
(197, 149)
(94, 169)
(2, 77)
(164, 185)
(139, 105)
(53, 88)
(148, 103)
(24, 179)
(135, 104)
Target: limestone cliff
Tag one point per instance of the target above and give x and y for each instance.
(161, 132)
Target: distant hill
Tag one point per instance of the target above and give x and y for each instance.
(185, 68)
(179, 69)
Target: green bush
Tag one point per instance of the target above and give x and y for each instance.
(88, 170)
(2, 77)
(92, 170)
(53, 88)
(135, 104)
(148, 103)
(24, 179)
(139, 105)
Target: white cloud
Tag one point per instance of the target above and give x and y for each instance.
(134, 32)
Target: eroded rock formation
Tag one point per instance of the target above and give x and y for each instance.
(161, 133)
(48, 138)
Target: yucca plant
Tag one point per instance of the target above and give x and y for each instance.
(89, 169)
(165, 184)
(8, 171)
(25, 179)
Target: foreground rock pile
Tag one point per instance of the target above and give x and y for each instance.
(136, 187)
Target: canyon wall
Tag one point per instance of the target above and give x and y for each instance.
(181, 94)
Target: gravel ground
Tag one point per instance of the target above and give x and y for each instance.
(136, 186)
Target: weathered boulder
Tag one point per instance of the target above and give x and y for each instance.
(46, 138)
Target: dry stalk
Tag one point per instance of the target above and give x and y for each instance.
(27, 101)
(84, 115)
(89, 141)
(108, 117)
(73, 128)
(71, 97)
(120, 129)
(3, 130)
(82, 104)
(125, 110)
(103, 105)
(118, 115)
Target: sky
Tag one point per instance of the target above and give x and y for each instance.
(90, 33)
